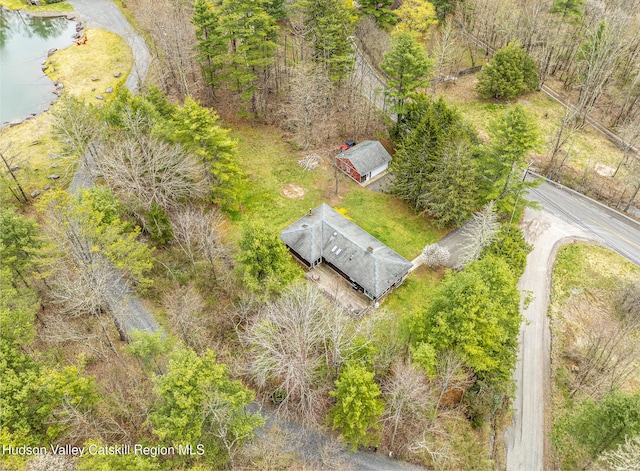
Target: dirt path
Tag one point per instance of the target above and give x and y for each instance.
(525, 438)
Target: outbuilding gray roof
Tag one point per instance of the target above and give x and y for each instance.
(367, 156)
(325, 233)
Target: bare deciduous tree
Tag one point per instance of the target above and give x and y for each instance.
(626, 457)
(9, 178)
(374, 40)
(184, 306)
(630, 302)
(198, 234)
(479, 233)
(406, 393)
(309, 107)
(569, 126)
(598, 59)
(609, 355)
(78, 126)
(446, 53)
(169, 24)
(297, 344)
(51, 462)
(147, 170)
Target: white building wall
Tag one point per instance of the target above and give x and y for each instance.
(378, 170)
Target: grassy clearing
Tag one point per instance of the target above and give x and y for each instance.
(390, 220)
(22, 5)
(270, 164)
(104, 54)
(415, 292)
(590, 270)
(100, 58)
(588, 148)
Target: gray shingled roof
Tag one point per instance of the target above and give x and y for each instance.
(367, 261)
(367, 156)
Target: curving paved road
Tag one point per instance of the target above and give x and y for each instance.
(104, 14)
(566, 216)
(128, 311)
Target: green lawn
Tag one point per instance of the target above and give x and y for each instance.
(589, 269)
(22, 5)
(391, 221)
(587, 148)
(415, 292)
(270, 164)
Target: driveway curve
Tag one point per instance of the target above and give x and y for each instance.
(525, 438)
(104, 14)
(128, 311)
(567, 216)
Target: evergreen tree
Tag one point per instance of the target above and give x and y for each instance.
(199, 403)
(408, 68)
(329, 26)
(212, 45)
(434, 168)
(512, 136)
(197, 128)
(476, 314)
(358, 406)
(444, 7)
(510, 73)
(511, 247)
(380, 10)
(251, 32)
(266, 260)
(571, 10)
(452, 191)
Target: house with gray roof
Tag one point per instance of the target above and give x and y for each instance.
(364, 161)
(326, 236)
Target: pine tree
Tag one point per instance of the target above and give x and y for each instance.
(434, 168)
(358, 407)
(572, 10)
(450, 194)
(197, 127)
(329, 26)
(212, 45)
(380, 10)
(510, 73)
(512, 136)
(408, 68)
(252, 33)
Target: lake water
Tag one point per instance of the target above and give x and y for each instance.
(24, 42)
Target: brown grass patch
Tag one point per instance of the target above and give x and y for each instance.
(292, 191)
